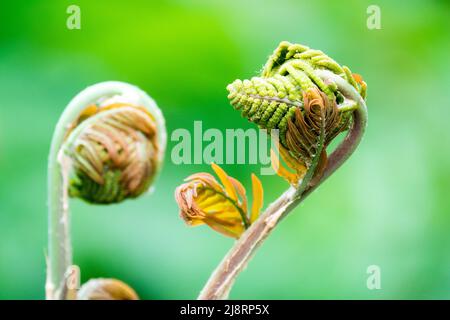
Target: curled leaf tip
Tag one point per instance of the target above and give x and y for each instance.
(289, 95)
(222, 206)
(115, 152)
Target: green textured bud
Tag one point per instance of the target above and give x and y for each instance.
(115, 151)
(290, 96)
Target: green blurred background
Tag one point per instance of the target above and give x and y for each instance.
(388, 206)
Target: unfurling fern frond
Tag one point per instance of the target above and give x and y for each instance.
(223, 207)
(291, 96)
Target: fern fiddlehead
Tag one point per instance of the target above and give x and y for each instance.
(291, 97)
(108, 146)
(310, 99)
(115, 154)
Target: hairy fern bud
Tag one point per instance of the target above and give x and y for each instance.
(290, 96)
(116, 150)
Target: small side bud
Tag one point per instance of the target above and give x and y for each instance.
(106, 289)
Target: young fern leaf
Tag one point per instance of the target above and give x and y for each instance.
(258, 196)
(291, 177)
(223, 207)
(290, 96)
(114, 154)
(242, 199)
(310, 99)
(108, 146)
(230, 189)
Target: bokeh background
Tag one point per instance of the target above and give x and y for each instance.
(388, 205)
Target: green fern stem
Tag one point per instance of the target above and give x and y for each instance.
(61, 178)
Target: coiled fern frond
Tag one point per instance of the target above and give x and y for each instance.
(309, 99)
(108, 146)
(114, 152)
(290, 96)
